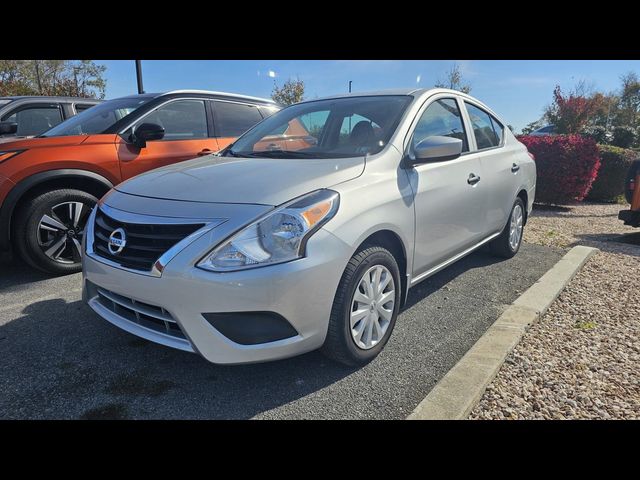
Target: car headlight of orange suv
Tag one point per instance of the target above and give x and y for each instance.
(7, 154)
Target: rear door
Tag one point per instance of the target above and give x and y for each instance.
(34, 118)
(501, 170)
(188, 134)
(449, 202)
(232, 119)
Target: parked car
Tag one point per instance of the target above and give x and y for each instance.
(49, 184)
(263, 253)
(632, 194)
(544, 131)
(30, 116)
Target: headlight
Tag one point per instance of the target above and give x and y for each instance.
(7, 154)
(278, 237)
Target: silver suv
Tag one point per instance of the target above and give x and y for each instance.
(309, 230)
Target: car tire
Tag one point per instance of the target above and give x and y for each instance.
(506, 245)
(341, 344)
(36, 237)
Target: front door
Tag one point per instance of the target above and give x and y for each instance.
(187, 135)
(449, 202)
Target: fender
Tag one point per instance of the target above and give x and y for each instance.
(14, 196)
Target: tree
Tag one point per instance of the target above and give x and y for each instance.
(291, 92)
(629, 109)
(571, 113)
(80, 78)
(454, 81)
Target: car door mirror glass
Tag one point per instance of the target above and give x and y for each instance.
(436, 148)
(146, 132)
(8, 128)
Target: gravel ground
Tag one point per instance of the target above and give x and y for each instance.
(581, 360)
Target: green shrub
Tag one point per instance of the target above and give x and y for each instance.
(624, 136)
(614, 165)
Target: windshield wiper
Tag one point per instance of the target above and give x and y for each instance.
(280, 154)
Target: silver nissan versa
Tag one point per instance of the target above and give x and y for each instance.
(309, 230)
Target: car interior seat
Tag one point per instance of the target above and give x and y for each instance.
(362, 135)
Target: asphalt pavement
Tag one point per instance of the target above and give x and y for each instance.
(60, 360)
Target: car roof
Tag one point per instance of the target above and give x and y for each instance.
(415, 92)
(237, 96)
(51, 98)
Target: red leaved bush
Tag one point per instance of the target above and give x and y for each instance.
(567, 166)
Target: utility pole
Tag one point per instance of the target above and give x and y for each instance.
(38, 77)
(350, 85)
(139, 76)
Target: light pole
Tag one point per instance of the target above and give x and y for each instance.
(352, 114)
(139, 76)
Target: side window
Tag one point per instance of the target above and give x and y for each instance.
(483, 128)
(35, 120)
(443, 118)
(181, 120)
(81, 107)
(498, 129)
(233, 119)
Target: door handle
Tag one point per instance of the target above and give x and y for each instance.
(204, 151)
(473, 179)
(515, 167)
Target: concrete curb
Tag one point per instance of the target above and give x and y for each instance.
(455, 395)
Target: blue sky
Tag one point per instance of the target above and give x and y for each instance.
(518, 90)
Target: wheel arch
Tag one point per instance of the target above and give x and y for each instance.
(84, 180)
(524, 196)
(391, 241)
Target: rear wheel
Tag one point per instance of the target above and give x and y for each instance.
(508, 243)
(365, 307)
(49, 229)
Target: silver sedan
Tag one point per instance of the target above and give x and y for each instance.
(310, 229)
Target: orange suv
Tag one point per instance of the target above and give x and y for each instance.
(50, 183)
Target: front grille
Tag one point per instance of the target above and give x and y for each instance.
(143, 314)
(145, 242)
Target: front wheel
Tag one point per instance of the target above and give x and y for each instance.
(508, 243)
(49, 230)
(365, 307)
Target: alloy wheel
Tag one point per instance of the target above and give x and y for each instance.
(60, 231)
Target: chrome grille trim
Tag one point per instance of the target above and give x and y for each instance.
(129, 217)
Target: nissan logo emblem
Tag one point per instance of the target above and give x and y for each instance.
(117, 241)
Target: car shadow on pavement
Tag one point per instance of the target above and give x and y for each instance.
(627, 243)
(15, 272)
(479, 259)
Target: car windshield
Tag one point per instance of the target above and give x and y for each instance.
(97, 119)
(333, 128)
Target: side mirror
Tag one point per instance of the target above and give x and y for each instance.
(8, 128)
(436, 149)
(145, 133)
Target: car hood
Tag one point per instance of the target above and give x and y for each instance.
(35, 142)
(263, 181)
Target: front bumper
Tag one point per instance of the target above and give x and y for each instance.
(301, 291)
(630, 217)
